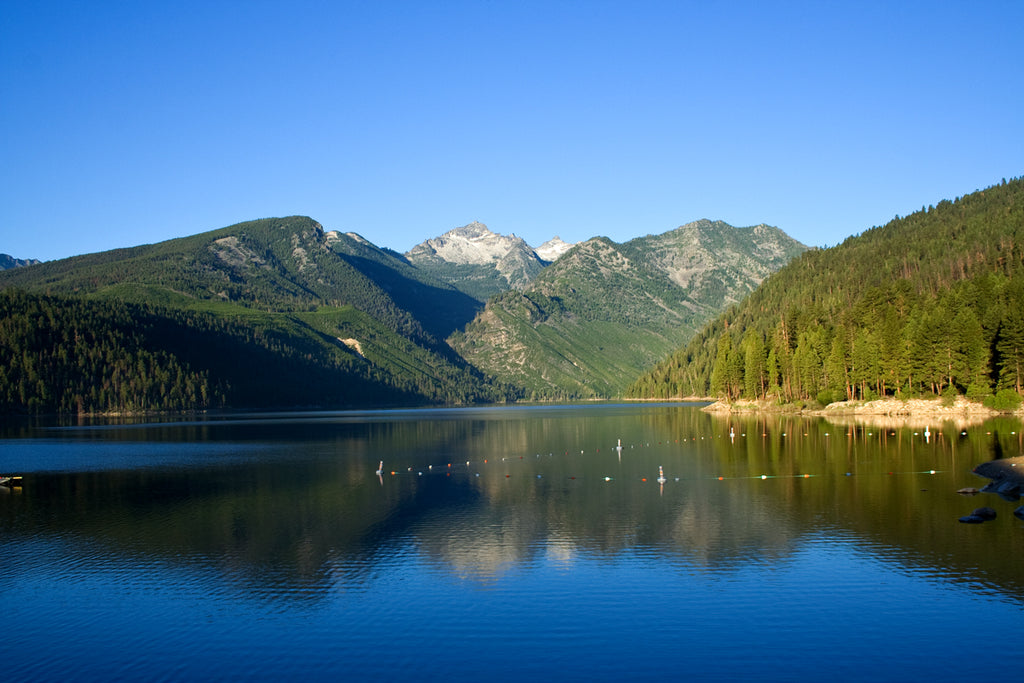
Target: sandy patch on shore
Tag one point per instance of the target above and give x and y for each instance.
(889, 412)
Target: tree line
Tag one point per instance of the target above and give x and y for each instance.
(70, 355)
(930, 304)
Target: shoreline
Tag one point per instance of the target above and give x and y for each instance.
(910, 411)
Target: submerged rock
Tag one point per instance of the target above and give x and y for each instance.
(985, 513)
(1019, 512)
(979, 515)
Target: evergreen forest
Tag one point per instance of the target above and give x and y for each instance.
(265, 314)
(928, 305)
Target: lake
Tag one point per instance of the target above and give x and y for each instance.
(507, 543)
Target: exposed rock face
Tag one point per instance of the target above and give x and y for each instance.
(553, 248)
(712, 253)
(470, 244)
(478, 261)
(7, 261)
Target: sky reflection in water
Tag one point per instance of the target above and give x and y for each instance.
(266, 546)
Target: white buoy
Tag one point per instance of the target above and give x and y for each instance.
(380, 467)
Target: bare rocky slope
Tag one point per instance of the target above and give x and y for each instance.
(483, 263)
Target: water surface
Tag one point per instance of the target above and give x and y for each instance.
(506, 543)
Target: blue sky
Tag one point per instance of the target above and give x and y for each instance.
(125, 123)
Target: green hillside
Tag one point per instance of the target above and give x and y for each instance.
(590, 323)
(929, 304)
(269, 313)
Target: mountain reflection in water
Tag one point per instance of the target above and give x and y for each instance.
(288, 510)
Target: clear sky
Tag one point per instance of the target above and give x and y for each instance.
(125, 123)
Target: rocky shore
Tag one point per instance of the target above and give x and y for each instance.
(909, 412)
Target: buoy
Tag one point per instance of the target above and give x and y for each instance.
(380, 467)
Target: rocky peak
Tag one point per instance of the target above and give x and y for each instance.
(471, 244)
(7, 261)
(553, 248)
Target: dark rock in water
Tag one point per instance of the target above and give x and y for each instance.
(979, 515)
(985, 513)
(1019, 512)
(968, 492)
(1009, 490)
(1007, 477)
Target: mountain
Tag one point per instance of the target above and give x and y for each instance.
(479, 262)
(929, 304)
(273, 312)
(551, 250)
(439, 307)
(591, 322)
(11, 262)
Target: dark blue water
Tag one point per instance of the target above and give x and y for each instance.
(506, 544)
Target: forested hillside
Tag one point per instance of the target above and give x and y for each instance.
(269, 313)
(928, 304)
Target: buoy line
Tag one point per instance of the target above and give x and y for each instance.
(448, 470)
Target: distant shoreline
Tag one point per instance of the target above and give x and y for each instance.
(909, 410)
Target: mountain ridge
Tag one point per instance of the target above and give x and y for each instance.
(591, 322)
(7, 261)
(330, 319)
(478, 261)
(287, 293)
